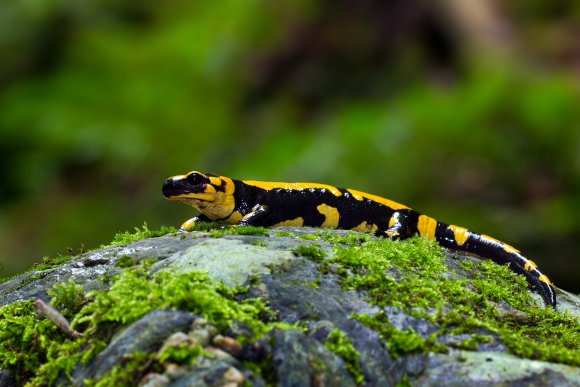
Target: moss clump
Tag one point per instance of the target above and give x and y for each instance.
(349, 239)
(341, 345)
(185, 353)
(239, 230)
(207, 226)
(133, 368)
(125, 261)
(38, 352)
(135, 293)
(537, 333)
(219, 229)
(50, 262)
(308, 237)
(284, 234)
(312, 252)
(126, 237)
(68, 298)
(412, 276)
(400, 341)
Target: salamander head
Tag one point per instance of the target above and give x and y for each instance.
(210, 194)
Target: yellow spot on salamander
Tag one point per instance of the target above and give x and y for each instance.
(234, 218)
(358, 195)
(545, 279)
(427, 226)
(269, 186)
(530, 265)
(298, 222)
(392, 221)
(461, 234)
(215, 180)
(365, 227)
(331, 214)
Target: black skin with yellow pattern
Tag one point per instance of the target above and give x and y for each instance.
(270, 204)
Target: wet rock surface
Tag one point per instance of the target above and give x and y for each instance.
(286, 357)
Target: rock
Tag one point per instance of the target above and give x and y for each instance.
(154, 380)
(462, 368)
(145, 335)
(298, 361)
(227, 344)
(395, 343)
(216, 375)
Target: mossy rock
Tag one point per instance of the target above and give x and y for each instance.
(284, 306)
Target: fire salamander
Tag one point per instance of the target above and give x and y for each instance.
(268, 204)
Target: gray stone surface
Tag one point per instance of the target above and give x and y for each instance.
(285, 282)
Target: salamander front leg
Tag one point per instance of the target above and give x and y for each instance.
(189, 224)
(257, 217)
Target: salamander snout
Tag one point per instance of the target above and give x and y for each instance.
(169, 187)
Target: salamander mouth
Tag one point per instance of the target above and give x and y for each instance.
(179, 188)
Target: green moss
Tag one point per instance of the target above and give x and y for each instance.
(312, 252)
(132, 368)
(308, 237)
(412, 276)
(207, 226)
(125, 261)
(50, 262)
(405, 382)
(219, 229)
(135, 293)
(314, 284)
(35, 276)
(340, 344)
(184, 354)
(258, 242)
(67, 298)
(239, 230)
(36, 350)
(126, 237)
(350, 239)
(284, 234)
(399, 341)
(39, 352)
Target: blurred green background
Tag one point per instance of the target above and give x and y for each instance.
(467, 111)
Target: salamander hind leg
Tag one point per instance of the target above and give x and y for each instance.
(398, 228)
(543, 286)
(257, 217)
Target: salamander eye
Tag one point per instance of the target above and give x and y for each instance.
(195, 178)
